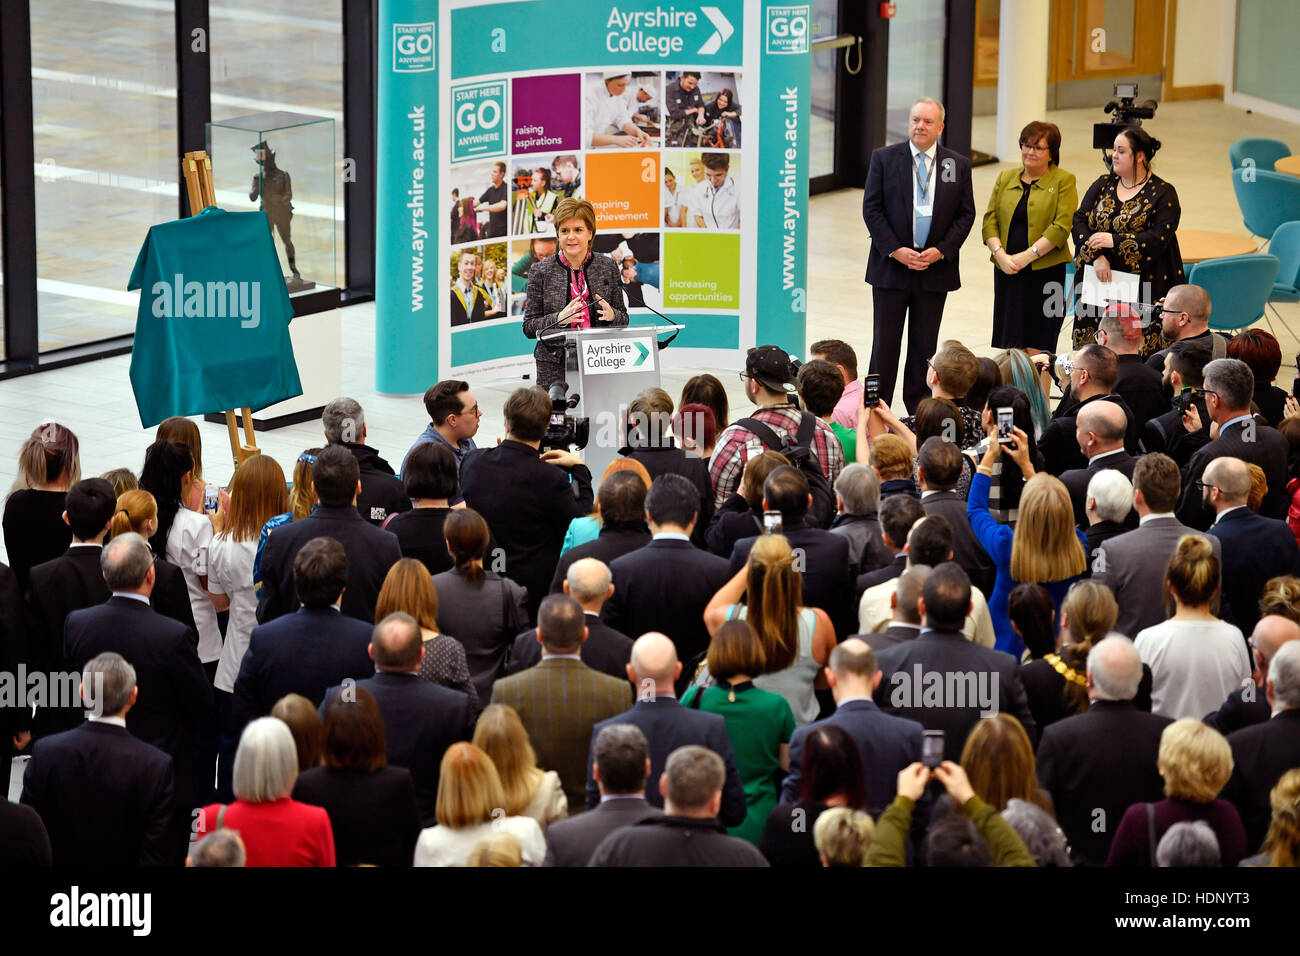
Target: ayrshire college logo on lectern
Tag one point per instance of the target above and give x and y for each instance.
(602, 358)
(413, 47)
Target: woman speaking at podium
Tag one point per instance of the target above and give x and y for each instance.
(573, 289)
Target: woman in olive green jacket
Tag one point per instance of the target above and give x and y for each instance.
(888, 843)
(1025, 228)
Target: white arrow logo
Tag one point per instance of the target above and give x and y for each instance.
(721, 34)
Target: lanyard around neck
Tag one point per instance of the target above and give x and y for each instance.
(923, 185)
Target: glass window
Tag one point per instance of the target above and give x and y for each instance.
(916, 54)
(104, 127)
(1265, 56)
(1108, 28)
(825, 68)
(282, 55)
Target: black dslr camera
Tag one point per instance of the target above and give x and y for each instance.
(564, 431)
(1127, 113)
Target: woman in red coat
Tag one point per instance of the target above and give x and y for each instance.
(276, 829)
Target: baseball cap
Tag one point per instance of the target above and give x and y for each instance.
(772, 366)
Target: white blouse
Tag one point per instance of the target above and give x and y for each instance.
(445, 846)
(187, 548)
(549, 803)
(230, 572)
(1194, 665)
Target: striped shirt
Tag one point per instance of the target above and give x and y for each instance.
(736, 445)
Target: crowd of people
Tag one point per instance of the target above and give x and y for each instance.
(1048, 617)
(816, 635)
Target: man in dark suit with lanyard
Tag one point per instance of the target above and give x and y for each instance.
(919, 208)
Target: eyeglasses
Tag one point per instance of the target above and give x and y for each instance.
(1163, 311)
(1036, 149)
(1202, 485)
(1209, 391)
(471, 411)
(745, 376)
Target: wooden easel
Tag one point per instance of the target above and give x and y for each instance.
(197, 168)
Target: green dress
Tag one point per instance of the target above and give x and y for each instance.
(758, 723)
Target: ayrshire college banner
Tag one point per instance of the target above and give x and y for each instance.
(491, 112)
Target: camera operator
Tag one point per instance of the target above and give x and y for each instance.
(1127, 222)
(526, 502)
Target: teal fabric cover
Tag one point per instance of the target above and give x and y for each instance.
(212, 332)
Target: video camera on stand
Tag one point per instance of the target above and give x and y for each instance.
(1127, 113)
(564, 431)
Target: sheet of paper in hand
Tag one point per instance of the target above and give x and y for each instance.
(1122, 287)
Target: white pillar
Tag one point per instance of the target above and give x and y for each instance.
(1023, 38)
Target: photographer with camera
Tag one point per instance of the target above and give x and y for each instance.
(801, 436)
(526, 502)
(1127, 222)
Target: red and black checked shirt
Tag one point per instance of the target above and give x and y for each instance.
(736, 445)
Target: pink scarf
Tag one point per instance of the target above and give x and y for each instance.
(578, 290)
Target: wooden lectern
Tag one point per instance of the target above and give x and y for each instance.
(197, 168)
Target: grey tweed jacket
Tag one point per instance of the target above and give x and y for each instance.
(547, 293)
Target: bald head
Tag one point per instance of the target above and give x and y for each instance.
(654, 658)
(1100, 427)
(1272, 631)
(852, 669)
(1114, 669)
(1231, 478)
(396, 643)
(588, 582)
(1193, 300)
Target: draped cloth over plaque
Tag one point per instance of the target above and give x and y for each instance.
(212, 332)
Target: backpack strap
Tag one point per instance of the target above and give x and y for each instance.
(763, 433)
(807, 429)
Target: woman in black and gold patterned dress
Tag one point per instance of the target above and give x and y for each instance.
(1127, 221)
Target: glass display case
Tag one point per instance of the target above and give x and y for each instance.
(283, 163)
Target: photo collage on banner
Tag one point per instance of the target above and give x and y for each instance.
(657, 153)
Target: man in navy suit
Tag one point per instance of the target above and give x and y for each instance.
(306, 652)
(176, 706)
(104, 796)
(1263, 752)
(1097, 764)
(886, 744)
(668, 725)
(666, 585)
(827, 571)
(588, 582)
(336, 481)
(421, 719)
(1255, 548)
(1249, 705)
(1099, 432)
(943, 680)
(1228, 391)
(70, 582)
(919, 208)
